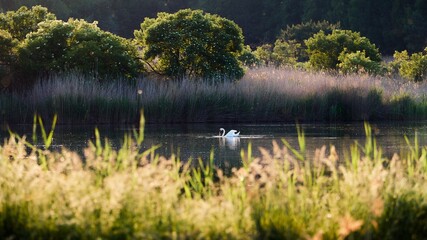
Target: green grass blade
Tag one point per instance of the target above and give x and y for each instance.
(34, 137)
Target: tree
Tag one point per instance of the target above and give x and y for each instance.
(412, 67)
(7, 45)
(80, 46)
(296, 35)
(305, 30)
(315, 9)
(265, 54)
(338, 12)
(248, 58)
(285, 53)
(7, 55)
(357, 62)
(363, 17)
(324, 50)
(416, 29)
(292, 11)
(191, 44)
(23, 21)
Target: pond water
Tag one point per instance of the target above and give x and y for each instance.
(198, 140)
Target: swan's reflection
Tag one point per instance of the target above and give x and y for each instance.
(232, 143)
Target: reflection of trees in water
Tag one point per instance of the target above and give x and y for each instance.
(233, 143)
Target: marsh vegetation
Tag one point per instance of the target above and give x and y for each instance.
(135, 193)
(194, 67)
(262, 95)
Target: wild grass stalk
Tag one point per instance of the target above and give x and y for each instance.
(132, 193)
(264, 94)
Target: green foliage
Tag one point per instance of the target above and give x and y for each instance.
(358, 62)
(413, 67)
(45, 49)
(80, 46)
(191, 43)
(7, 45)
(298, 33)
(24, 20)
(265, 54)
(285, 53)
(401, 24)
(324, 50)
(248, 57)
(129, 193)
(398, 59)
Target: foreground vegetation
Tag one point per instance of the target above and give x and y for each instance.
(262, 95)
(135, 194)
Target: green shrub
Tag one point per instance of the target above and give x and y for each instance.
(285, 53)
(23, 21)
(398, 58)
(265, 54)
(297, 34)
(413, 67)
(358, 62)
(248, 58)
(80, 46)
(305, 30)
(7, 45)
(192, 44)
(324, 50)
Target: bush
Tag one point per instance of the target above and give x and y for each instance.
(248, 58)
(191, 44)
(412, 67)
(79, 46)
(324, 50)
(285, 53)
(7, 45)
(265, 54)
(305, 30)
(358, 62)
(297, 34)
(23, 21)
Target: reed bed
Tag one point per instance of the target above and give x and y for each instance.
(263, 95)
(135, 194)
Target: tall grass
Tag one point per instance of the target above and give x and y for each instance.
(263, 95)
(135, 194)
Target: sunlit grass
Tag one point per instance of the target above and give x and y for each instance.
(132, 193)
(263, 95)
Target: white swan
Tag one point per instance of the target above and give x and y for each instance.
(231, 133)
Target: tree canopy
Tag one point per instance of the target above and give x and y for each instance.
(196, 44)
(24, 20)
(324, 50)
(401, 24)
(79, 46)
(7, 45)
(191, 43)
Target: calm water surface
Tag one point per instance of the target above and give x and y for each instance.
(198, 140)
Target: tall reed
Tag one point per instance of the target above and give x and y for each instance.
(263, 95)
(135, 194)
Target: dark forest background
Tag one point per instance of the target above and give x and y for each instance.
(390, 24)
